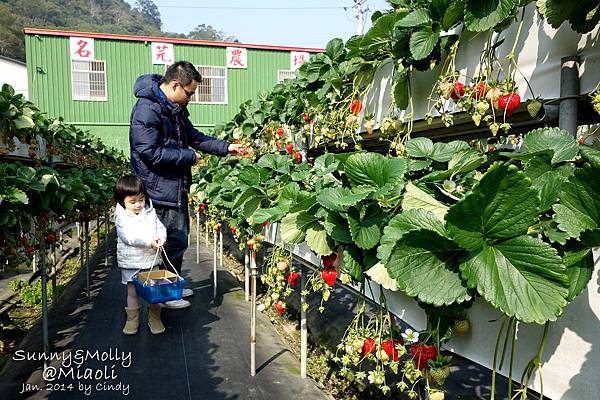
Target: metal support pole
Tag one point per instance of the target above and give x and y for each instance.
(44, 278)
(53, 271)
(303, 326)
(215, 264)
(98, 228)
(206, 226)
(253, 316)
(107, 227)
(34, 262)
(247, 274)
(569, 94)
(220, 248)
(86, 228)
(197, 238)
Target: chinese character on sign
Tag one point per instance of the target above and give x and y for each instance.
(237, 57)
(297, 58)
(81, 48)
(162, 53)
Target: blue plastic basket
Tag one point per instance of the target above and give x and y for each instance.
(161, 292)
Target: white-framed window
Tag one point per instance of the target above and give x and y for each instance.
(283, 74)
(88, 80)
(213, 88)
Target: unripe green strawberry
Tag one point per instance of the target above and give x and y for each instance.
(461, 326)
(436, 395)
(482, 107)
(476, 117)
(494, 127)
(597, 107)
(437, 375)
(533, 107)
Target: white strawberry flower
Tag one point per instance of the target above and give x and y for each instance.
(260, 307)
(410, 336)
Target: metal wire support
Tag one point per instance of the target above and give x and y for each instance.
(215, 264)
(197, 238)
(247, 274)
(44, 278)
(220, 248)
(253, 315)
(86, 228)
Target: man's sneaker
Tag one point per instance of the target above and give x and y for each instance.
(187, 293)
(176, 304)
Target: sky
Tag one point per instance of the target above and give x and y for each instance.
(303, 23)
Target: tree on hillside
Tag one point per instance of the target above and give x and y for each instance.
(207, 32)
(150, 11)
(10, 35)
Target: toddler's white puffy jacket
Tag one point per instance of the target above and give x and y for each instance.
(135, 233)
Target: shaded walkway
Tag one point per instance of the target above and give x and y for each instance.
(204, 353)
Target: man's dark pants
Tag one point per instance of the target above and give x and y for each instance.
(177, 223)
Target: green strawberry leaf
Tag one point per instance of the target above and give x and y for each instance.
(407, 221)
(579, 207)
(416, 198)
(352, 263)
(580, 268)
(376, 171)
(337, 228)
(481, 15)
(340, 198)
(365, 225)
(523, 277)
(317, 240)
(422, 42)
(501, 205)
(425, 266)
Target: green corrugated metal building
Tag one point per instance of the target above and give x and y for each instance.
(87, 78)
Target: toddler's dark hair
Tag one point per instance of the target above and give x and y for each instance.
(129, 185)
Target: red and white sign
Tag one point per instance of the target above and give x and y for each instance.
(162, 53)
(237, 57)
(297, 58)
(81, 48)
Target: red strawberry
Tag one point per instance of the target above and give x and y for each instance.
(390, 347)
(202, 207)
(491, 148)
(329, 276)
(279, 306)
(280, 132)
(292, 278)
(29, 250)
(298, 157)
(289, 148)
(307, 118)
(458, 92)
(368, 346)
(218, 226)
(329, 260)
(479, 90)
(265, 223)
(24, 240)
(423, 353)
(51, 237)
(355, 106)
(509, 102)
(233, 229)
(581, 141)
(236, 141)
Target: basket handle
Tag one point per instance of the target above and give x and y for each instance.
(154, 262)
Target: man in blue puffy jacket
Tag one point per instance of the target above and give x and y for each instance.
(160, 137)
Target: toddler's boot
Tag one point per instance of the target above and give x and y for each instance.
(154, 323)
(133, 321)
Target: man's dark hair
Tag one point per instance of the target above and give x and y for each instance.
(129, 185)
(184, 72)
